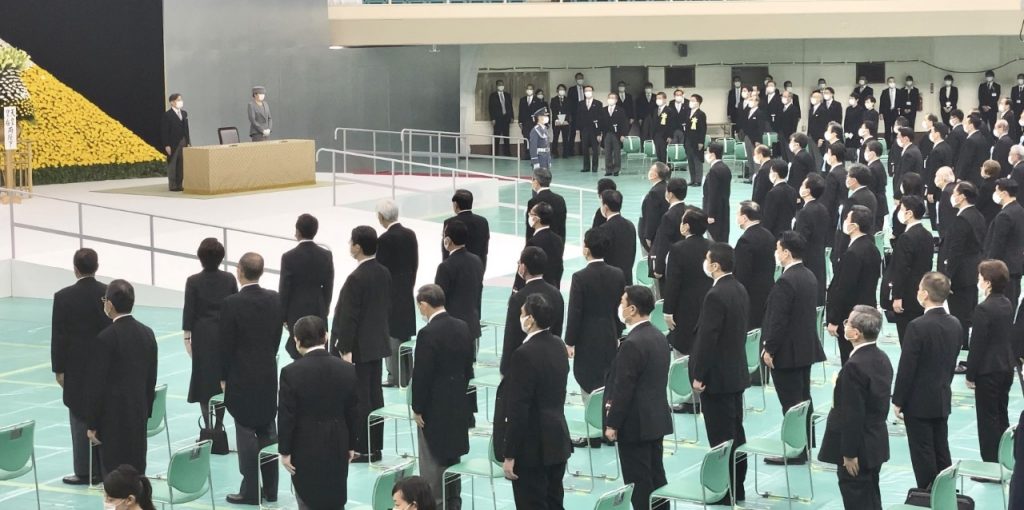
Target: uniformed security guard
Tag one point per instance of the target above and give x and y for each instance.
(540, 155)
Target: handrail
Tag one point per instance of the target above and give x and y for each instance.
(463, 138)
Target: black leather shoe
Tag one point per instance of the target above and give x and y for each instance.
(270, 498)
(363, 459)
(684, 408)
(777, 461)
(584, 171)
(75, 480)
(983, 480)
(388, 384)
(961, 368)
(237, 499)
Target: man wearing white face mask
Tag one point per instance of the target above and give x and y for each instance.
(260, 122)
(626, 102)
(833, 109)
(1017, 95)
(989, 93)
(588, 122)
(855, 278)
(1016, 158)
(960, 253)
(948, 97)
(530, 267)
(679, 115)
(734, 105)
(1005, 238)
(696, 131)
(912, 254)
(716, 193)
(528, 104)
(889, 106)
(863, 90)
(643, 106)
(1001, 149)
(911, 101)
(175, 137)
(1006, 114)
(615, 127)
(499, 106)
(540, 217)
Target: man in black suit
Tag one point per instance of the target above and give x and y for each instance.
(637, 416)
(527, 105)
(910, 159)
(499, 107)
(948, 98)
(575, 95)
(878, 182)
(653, 207)
(941, 155)
(398, 251)
(547, 240)
(668, 229)
(973, 151)
(78, 318)
(863, 90)
(786, 122)
(660, 127)
(781, 200)
(1017, 95)
(856, 438)
(857, 179)
(174, 137)
(1001, 149)
(306, 285)
(789, 332)
(444, 366)
(685, 281)
(478, 231)
(755, 266)
(817, 123)
(834, 192)
(590, 322)
(889, 106)
(360, 333)
(922, 393)
(812, 222)
(536, 445)
(588, 122)
(562, 110)
(833, 108)
(957, 133)
(912, 255)
(988, 98)
(696, 130)
(532, 264)
(754, 126)
(771, 102)
(716, 194)
(645, 104)
(318, 428)
(250, 336)
(1005, 238)
(678, 115)
(1016, 159)
(856, 275)
(542, 193)
(945, 182)
(621, 252)
(121, 383)
(961, 251)
(853, 120)
(614, 128)
(718, 363)
(760, 181)
(802, 162)
(461, 278)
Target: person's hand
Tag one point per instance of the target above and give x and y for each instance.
(509, 467)
(93, 438)
(223, 386)
(698, 386)
(286, 461)
(768, 359)
(833, 330)
(167, 149)
(570, 351)
(670, 321)
(658, 275)
(852, 466)
(897, 305)
(931, 199)
(986, 108)
(700, 146)
(266, 132)
(897, 411)
(419, 420)
(611, 434)
(711, 221)
(970, 385)
(352, 455)
(60, 379)
(347, 357)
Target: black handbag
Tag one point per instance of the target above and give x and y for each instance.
(923, 498)
(217, 435)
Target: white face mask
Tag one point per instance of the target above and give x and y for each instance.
(522, 324)
(989, 79)
(901, 218)
(860, 82)
(1021, 122)
(561, 93)
(543, 120)
(112, 506)
(910, 84)
(622, 318)
(949, 82)
(707, 268)
(622, 90)
(534, 221)
(260, 97)
(540, 96)
(846, 228)
(815, 100)
(853, 102)
(1020, 81)
(952, 201)
(693, 105)
(659, 102)
(179, 104)
(869, 106)
(579, 81)
(785, 100)
(892, 84)
(648, 91)
(501, 88)
(611, 101)
(529, 92)
(789, 89)
(588, 94)
(744, 94)
(778, 260)
(769, 90)
(996, 198)
(982, 290)
(679, 99)
(828, 97)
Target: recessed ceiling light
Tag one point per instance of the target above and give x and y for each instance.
(335, 47)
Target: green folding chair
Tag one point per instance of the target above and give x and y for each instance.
(405, 349)
(380, 498)
(769, 139)
(618, 499)
(712, 485)
(267, 455)
(397, 412)
(681, 389)
(792, 444)
(188, 476)
(1001, 470)
(650, 154)
(591, 427)
(157, 422)
(880, 241)
(642, 274)
(753, 351)
(728, 149)
(943, 491)
(658, 316)
(633, 150)
(474, 468)
(740, 158)
(821, 339)
(18, 453)
(676, 155)
(487, 382)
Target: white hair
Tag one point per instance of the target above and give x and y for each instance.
(1017, 150)
(388, 210)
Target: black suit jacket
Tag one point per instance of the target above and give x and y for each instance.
(615, 124)
(306, 286)
(174, 131)
(988, 95)
(696, 128)
(761, 184)
(651, 211)
(961, 249)
(557, 204)
(912, 255)
(789, 331)
(461, 276)
(928, 357)
(494, 108)
(992, 338)
(318, 428)
(801, 164)
(812, 221)
(398, 251)
(1017, 174)
(817, 122)
(361, 316)
(622, 253)
(588, 120)
(591, 324)
(910, 161)
(444, 359)
(786, 121)
(754, 125)
(860, 405)
(634, 397)
(834, 195)
(772, 107)
(684, 289)
(526, 111)
(668, 234)
(204, 299)
(78, 318)
(973, 152)
(250, 336)
(554, 248)
(1001, 151)
(956, 138)
(644, 106)
(755, 268)
(878, 186)
(779, 208)
(717, 186)
(514, 335)
(855, 280)
(478, 238)
(941, 155)
(1005, 238)
(862, 196)
(536, 433)
(734, 106)
(719, 358)
(951, 97)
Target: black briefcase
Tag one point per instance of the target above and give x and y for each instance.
(218, 436)
(923, 498)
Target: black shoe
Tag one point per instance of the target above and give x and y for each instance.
(363, 459)
(694, 184)
(237, 499)
(616, 174)
(684, 408)
(585, 170)
(270, 498)
(777, 461)
(983, 480)
(594, 171)
(609, 174)
(388, 384)
(587, 443)
(77, 480)
(961, 368)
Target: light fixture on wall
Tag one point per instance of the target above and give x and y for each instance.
(335, 47)
(433, 49)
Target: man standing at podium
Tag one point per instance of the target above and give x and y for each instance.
(174, 134)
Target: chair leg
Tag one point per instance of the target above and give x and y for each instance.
(35, 478)
(789, 491)
(810, 480)
(167, 431)
(209, 479)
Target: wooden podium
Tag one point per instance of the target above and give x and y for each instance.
(216, 169)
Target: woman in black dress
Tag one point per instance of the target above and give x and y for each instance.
(204, 293)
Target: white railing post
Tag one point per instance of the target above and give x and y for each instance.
(11, 205)
(81, 229)
(152, 253)
(225, 235)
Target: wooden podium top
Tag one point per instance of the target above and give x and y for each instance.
(215, 169)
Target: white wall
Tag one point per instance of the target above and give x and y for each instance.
(972, 55)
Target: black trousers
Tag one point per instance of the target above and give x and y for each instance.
(1013, 289)
(695, 161)
(175, 168)
(862, 492)
(612, 153)
(723, 419)
(590, 149)
(928, 439)
(539, 487)
(80, 449)
(902, 320)
(563, 133)
(371, 397)
(250, 441)
(845, 347)
(961, 305)
(991, 397)
(643, 467)
(570, 145)
(661, 148)
(501, 129)
(793, 385)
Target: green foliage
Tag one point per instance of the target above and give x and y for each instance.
(88, 173)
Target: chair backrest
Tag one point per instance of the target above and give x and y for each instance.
(618, 499)
(794, 428)
(679, 378)
(227, 135)
(188, 471)
(640, 271)
(944, 489)
(741, 151)
(885, 145)
(649, 148)
(1006, 460)
(155, 424)
(753, 350)
(676, 152)
(385, 481)
(821, 321)
(728, 146)
(593, 412)
(16, 443)
(631, 144)
(714, 469)
(658, 316)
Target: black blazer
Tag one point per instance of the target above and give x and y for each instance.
(734, 106)
(719, 357)
(912, 255)
(174, 131)
(817, 122)
(772, 107)
(761, 184)
(644, 106)
(834, 195)
(910, 161)
(78, 318)
(856, 424)
(754, 125)
(318, 428)
(361, 316)
(526, 111)
(554, 248)
(862, 196)
(855, 280)
(786, 121)
(494, 108)
(951, 97)
(961, 249)
(988, 95)
(973, 152)
(684, 289)
(478, 237)
(779, 208)
(789, 331)
(622, 253)
(755, 268)
(668, 234)
(878, 186)
(957, 137)
(514, 335)
(398, 251)
(941, 155)
(557, 204)
(812, 221)
(616, 124)
(929, 350)
(696, 128)
(717, 186)
(250, 336)
(801, 164)
(204, 297)
(834, 110)
(1017, 173)
(652, 209)
(1005, 238)
(306, 285)
(634, 400)
(591, 323)
(536, 433)
(588, 120)
(444, 366)
(992, 338)
(1001, 151)
(461, 276)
